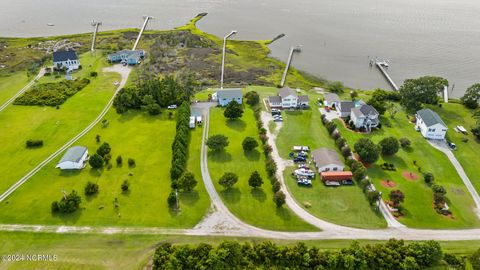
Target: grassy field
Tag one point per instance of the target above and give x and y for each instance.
(418, 203)
(344, 205)
(132, 135)
(254, 207)
(54, 127)
(9, 85)
(467, 152)
(135, 251)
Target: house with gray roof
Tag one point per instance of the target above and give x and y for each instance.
(126, 57)
(327, 160)
(430, 125)
(365, 117)
(344, 108)
(331, 100)
(225, 96)
(75, 158)
(288, 99)
(66, 59)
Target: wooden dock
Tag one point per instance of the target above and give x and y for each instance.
(289, 61)
(381, 66)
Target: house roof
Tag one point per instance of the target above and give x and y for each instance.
(127, 52)
(275, 99)
(286, 91)
(346, 106)
(430, 117)
(324, 156)
(60, 56)
(229, 93)
(336, 176)
(364, 110)
(74, 154)
(332, 97)
(303, 98)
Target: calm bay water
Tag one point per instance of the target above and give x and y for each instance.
(419, 37)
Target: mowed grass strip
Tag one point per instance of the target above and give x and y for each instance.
(11, 84)
(255, 207)
(136, 135)
(345, 205)
(418, 205)
(54, 126)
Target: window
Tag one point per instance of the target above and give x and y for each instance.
(334, 169)
(327, 169)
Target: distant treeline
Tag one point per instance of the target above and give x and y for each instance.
(51, 94)
(394, 254)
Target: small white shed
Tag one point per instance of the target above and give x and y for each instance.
(74, 159)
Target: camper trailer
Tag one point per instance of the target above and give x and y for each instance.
(192, 121)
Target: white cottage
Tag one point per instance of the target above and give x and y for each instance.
(327, 160)
(287, 99)
(430, 125)
(74, 159)
(66, 59)
(364, 116)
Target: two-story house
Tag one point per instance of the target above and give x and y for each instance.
(430, 125)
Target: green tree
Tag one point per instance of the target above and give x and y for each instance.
(373, 196)
(125, 186)
(475, 260)
(405, 142)
(249, 144)
(233, 110)
(172, 200)
(255, 180)
(217, 142)
(336, 87)
(389, 145)
(96, 161)
(91, 188)
(279, 198)
(228, 180)
(378, 104)
(472, 96)
(368, 151)
(119, 160)
(424, 90)
(429, 178)
(150, 105)
(396, 197)
(187, 182)
(252, 98)
(104, 149)
(69, 203)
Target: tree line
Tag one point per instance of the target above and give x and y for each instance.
(394, 254)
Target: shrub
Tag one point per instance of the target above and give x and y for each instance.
(340, 142)
(91, 188)
(252, 98)
(34, 143)
(396, 197)
(367, 150)
(346, 151)
(68, 204)
(97, 138)
(389, 146)
(217, 142)
(267, 149)
(255, 180)
(172, 200)
(104, 149)
(249, 144)
(439, 189)
(187, 182)
(96, 161)
(276, 186)
(131, 162)
(119, 160)
(271, 167)
(125, 186)
(335, 135)
(107, 158)
(428, 178)
(279, 198)
(331, 126)
(405, 143)
(373, 196)
(54, 207)
(336, 87)
(93, 74)
(228, 180)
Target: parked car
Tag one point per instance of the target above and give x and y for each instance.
(304, 182)
(277, 119)
(299, 159)
(171, 107)
(452, 145)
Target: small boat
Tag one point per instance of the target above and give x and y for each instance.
(50, 24)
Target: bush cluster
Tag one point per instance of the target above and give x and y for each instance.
(34, 143)
(394, 254)
(51, 94)
(68, 204)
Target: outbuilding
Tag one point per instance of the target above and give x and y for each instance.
(327, 160)
(337, 178)
(430, 125)
(74, 159)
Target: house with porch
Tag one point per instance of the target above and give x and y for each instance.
(288, 99)
(364, 117)
(225, 96)
(126, 57)
(430, 125)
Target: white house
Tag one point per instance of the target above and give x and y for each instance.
(331, 100)
(327, 160)
(430, 125)
(287, 98)
(74, 159)
(225, 96)
(66, 59)
(364, 116)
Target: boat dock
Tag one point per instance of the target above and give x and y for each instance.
(289, 61)
(381, 66)
(147, 18)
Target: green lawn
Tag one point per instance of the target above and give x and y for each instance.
(135, 135)
(10, 85)
(344, 205)
(255, 207)
(89, 251)
(419, 212)
(467, 152)
(54, 127)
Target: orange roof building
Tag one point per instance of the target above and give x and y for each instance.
(336, 176)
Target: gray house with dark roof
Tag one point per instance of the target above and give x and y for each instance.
(287, 98)
(364, 116)
(126, 57)
(74, 159)
(327, 160)
(225, 96)
(344, 108)
(66, 59)
(331, 100)
(430, 125)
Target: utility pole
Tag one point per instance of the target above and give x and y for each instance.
(96, 25)
(223, 55)
(147, 18)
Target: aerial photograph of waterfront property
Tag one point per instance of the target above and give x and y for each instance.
(221, 134)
